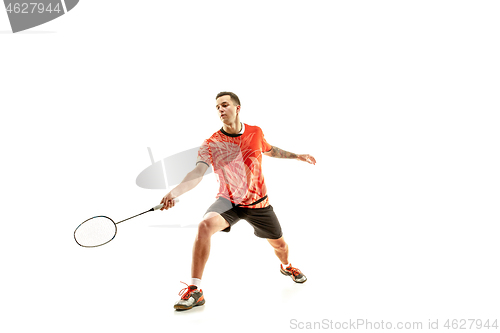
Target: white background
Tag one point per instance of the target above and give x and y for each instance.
(398, 221)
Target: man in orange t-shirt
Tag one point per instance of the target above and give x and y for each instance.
(235, 152)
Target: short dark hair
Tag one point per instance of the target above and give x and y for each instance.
(233, 96)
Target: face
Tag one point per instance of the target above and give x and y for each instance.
(226, 109)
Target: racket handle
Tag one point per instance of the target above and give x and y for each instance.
(161, 205)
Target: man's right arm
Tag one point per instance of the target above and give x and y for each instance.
(189, 182)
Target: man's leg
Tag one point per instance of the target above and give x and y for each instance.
(212, 223)
(193, 295)
(281, 249)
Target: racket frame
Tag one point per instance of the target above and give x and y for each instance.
(115, 223)
(116, 230)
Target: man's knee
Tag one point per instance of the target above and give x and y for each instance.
(278, 244)
(211, 223)
(282, 247)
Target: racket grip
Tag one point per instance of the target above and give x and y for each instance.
(161, 205)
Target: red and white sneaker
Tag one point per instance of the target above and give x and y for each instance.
(294, 273)
(190, 297)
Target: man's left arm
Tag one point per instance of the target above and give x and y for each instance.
(280, 153)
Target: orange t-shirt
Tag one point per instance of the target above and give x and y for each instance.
(237, 163)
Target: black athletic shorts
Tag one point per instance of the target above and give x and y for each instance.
(263, 220)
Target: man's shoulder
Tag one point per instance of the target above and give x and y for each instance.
(252, 128)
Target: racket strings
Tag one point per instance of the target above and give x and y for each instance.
(95, 231)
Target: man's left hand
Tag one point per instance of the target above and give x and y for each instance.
(306, 158)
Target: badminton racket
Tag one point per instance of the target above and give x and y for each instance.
(100, 230)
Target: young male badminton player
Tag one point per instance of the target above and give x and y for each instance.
(235, 152)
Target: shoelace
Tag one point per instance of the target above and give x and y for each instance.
(186, 292)
(295, 271)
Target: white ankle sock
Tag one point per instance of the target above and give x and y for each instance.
(196, 282)
(285, 266)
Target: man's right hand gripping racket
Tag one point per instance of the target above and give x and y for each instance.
(100, 230)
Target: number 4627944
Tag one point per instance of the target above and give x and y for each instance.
(32, 7)
(470, 324)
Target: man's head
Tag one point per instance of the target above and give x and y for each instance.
(234, 98)
(228, 107)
